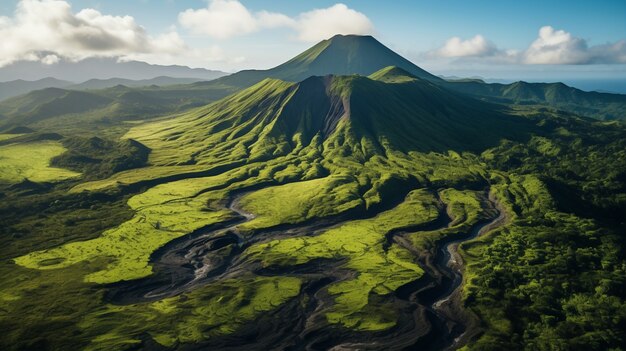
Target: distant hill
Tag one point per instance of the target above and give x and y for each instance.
(597, 105)
(61, 109)
(111, 82)
(19, 87)
(101, 68)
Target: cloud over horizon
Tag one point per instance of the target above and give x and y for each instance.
(49, 31)
(223, 19)
(551, 47)
(44, 30)
(477, 46)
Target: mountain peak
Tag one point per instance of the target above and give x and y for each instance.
(345, 55)
(350, 37)
(338, 55)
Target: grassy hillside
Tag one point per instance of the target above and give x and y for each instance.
(111, 82)
(602, 106)
(97, 111)
(276, 117)
(31, 161)
(339, 55)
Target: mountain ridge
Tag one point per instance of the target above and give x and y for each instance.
(339, 55)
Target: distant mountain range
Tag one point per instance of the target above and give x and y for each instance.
(19, 87)
(111, 82)
(119, 99)
(100, 68)
(94, 73)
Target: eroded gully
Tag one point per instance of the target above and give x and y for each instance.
(431, 316)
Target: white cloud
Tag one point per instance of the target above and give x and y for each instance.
(552, 47)
(194, 57)
(274, 20)
(41, 27)
(321, 24)
(50, 59)
(560, 47)
(556, 47)
(224, 19)
(477, 46)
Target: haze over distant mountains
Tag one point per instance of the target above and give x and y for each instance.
(94, 73)
(340, 55)
(100, 68)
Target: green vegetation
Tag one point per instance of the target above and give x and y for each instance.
(162, 214)
(202, 314)
(297, 202)
(32, 161)
(8, 136)
(99, 158)
(554, 277)
(361, 244)
(603, 106)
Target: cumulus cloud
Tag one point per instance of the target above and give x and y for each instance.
(477, 46)
(321, 24)
(560, 47)
(42, 27)
(223, 19)
(552, 47)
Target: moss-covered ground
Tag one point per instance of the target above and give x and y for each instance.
(32, 161)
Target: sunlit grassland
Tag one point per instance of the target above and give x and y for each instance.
(32, 161)
(225, 131)
(8, 136)
(163, 213)
(134, 176)
(541, 278)
(360, 243)
(209, 311)
(300, 201)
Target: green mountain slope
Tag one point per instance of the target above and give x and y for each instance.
(60, 109)
(111, 82)
(604, 106)
(339, 55)
(390, 110)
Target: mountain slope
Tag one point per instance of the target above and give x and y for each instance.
(19, 87)
(339, 55)
(604, 106)
(111, 82)
(396, 112)
(65, 110)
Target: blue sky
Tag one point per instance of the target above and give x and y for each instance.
(496, 39)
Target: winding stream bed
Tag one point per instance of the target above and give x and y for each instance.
(433, 318)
